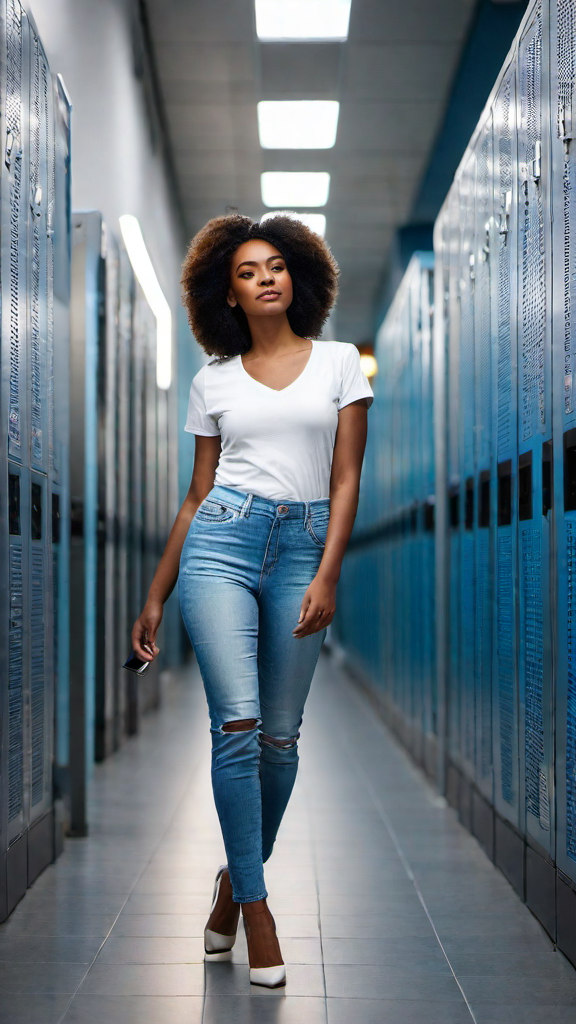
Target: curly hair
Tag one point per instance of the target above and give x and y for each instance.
(223, 331)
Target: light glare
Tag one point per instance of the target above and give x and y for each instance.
(298, 124)
(146, 275)
(315, 221)
(368, 364)
(302, 19)
(295, 188)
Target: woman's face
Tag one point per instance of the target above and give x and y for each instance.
(259, 281)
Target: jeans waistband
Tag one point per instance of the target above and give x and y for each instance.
(285, 509)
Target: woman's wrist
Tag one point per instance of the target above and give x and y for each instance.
(328, 576)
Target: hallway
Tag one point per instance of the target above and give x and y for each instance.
(388, 911)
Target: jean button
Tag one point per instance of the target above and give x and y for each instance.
(282, 509)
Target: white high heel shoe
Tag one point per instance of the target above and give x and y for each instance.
(269, 977)
(217, 947)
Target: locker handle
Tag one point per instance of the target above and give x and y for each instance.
(36, 512)
(537, 161)
(505, 213)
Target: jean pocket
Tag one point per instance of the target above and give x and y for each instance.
(317, 526)
(214, 512)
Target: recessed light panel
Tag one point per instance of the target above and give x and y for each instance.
(315, 221)
(298, 124)
(295, 188)
(302, 19)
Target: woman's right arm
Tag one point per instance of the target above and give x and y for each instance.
(207, 453)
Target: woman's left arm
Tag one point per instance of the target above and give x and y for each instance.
(319, 602)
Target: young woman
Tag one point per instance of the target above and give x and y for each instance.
(280, 426)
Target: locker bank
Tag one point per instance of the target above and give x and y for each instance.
(429, 866)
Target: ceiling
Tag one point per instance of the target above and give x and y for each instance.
(392, 79)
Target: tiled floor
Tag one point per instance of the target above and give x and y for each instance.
(389, 913)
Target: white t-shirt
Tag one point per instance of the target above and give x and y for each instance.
(277, 444)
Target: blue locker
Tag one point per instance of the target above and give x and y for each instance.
(467, 579)
(483, 456)
(534, 436)
(505, 434)
(563, 174)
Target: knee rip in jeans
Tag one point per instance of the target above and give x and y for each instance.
(271, 741)
(243, 725)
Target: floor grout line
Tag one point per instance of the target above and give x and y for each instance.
(398, 847)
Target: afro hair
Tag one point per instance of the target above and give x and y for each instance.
(223, 331)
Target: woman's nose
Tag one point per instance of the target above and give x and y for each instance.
(267, 279)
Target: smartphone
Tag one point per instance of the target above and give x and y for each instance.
(135, 664)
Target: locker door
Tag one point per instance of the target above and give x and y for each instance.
(483, 462)
(534, 434)
(108, 716)
(467, 463)
(505, 432)
(429, 711)
(41, 650)
(563, 170)
(15, 547)
(123, 597)
(41, 137)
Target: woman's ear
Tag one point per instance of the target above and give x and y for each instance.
(231, 298)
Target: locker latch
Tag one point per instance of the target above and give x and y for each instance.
(485, 250)
(12, 150)
(536, 165)
(565, 128)
(36, 201)
(471, 262)
(505, 213)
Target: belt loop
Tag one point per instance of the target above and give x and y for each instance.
(245, 510)
(306, 514)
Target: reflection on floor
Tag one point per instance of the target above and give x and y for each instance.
(389, 912)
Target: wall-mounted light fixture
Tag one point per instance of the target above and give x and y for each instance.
(146, 275)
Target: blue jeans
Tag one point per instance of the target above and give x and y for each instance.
(245, 566)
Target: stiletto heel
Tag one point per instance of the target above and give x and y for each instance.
(273, 976)
(218, 947)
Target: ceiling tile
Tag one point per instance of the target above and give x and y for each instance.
(292, 70)
(409, 21)
(400, 71)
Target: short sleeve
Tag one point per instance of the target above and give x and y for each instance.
(354, 382)
(198, 421)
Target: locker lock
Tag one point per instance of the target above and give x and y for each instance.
(565, 129)
(471, 262)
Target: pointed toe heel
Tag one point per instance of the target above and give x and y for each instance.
(269, 977)
(218, 947)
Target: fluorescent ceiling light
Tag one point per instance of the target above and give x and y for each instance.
(295, 188)
(297, 124)
(146, 275)
(315, 221)
(302, 19)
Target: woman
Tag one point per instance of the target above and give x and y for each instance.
(280, 426)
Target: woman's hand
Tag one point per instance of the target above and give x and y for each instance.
(145, 629)
(318, 607)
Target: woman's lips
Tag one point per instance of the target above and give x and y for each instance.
(269, 296)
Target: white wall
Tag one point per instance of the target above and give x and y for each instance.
(114, 168)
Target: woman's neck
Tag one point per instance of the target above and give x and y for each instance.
(271, 335)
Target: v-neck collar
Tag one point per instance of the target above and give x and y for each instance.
(279, 391)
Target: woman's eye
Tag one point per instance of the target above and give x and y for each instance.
(278, 269)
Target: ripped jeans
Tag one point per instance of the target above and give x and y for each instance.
(245, 566)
